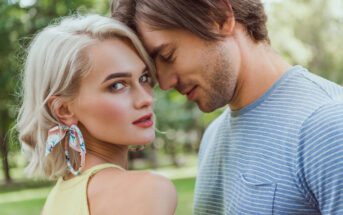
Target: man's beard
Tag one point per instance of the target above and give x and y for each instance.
(222, 82)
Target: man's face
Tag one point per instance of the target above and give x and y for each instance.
(202, 70)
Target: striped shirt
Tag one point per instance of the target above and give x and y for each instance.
(282, 154)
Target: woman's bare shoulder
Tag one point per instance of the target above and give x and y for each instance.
(131, 192)
(155, 193)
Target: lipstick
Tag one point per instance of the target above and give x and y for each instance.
(144, 121)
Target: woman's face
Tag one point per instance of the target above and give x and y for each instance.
(115, 101)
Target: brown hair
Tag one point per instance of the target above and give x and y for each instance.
(196, 16)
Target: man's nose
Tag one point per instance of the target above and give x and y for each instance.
(167, 80)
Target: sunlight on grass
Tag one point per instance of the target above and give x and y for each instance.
(27, 207)
(23, 195)
(185, 189)
(178, 173)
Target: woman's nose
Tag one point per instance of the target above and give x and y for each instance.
(144, 98)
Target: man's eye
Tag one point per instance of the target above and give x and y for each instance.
(117, 86)
(145, 78)
(169, 57)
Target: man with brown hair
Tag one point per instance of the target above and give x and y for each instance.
(278, 148)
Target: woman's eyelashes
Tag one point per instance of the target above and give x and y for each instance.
(120, 85)
(146, 78)
(117, 86)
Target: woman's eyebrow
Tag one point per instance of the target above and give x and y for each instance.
(123, 74)
(117, 75)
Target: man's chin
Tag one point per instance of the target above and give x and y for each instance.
(208, 108)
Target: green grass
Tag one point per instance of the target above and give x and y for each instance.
(26, 207)
(19, 185)
(185, 189)
(27, 198)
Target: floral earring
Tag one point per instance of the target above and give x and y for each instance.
(75, 142)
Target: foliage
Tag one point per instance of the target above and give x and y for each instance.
(310, 33)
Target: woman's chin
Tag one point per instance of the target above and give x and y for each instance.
(148, 139)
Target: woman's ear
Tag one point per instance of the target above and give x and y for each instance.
(61, 110)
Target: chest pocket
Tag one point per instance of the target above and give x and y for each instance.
(252, 197)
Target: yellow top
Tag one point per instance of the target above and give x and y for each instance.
(70, 196)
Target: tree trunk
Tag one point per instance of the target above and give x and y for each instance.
(153, 157)
(4, 149)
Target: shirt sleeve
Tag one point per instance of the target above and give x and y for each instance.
(319, 161)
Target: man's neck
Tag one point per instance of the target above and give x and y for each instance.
(260, 68)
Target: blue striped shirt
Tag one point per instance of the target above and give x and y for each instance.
(282, 154)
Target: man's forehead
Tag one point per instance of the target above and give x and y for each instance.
(144, 26)
(153, 38)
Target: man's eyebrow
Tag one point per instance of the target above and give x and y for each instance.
(157, 50)
(117, 75)
(145, 69)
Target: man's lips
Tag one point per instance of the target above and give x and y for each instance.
(186, 92)
(144, 121)
(190, 93)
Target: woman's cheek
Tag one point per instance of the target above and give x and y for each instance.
(112, 111)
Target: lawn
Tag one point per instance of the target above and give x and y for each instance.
(27, 198)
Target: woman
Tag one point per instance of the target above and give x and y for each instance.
(87, 96)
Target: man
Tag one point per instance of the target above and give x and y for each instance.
(278, 148)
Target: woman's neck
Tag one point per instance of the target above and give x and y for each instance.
(98, 153)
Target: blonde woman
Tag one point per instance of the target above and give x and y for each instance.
(87, 96)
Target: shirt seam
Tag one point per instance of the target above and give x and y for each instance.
(296, 170)
(319, 86)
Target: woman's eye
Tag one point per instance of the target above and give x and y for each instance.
(145, 79)
(117, 86)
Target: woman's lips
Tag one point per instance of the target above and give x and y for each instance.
(145, 121)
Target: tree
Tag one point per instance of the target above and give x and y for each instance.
(310, 33)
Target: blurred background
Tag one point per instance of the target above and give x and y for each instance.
(305, 32)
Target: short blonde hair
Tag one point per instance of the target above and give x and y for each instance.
(55, 64)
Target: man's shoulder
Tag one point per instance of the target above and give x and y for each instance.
(323, 125)
(319, 86)
(320, 157)
(327, 113)
(301, 94)
(216, 123)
